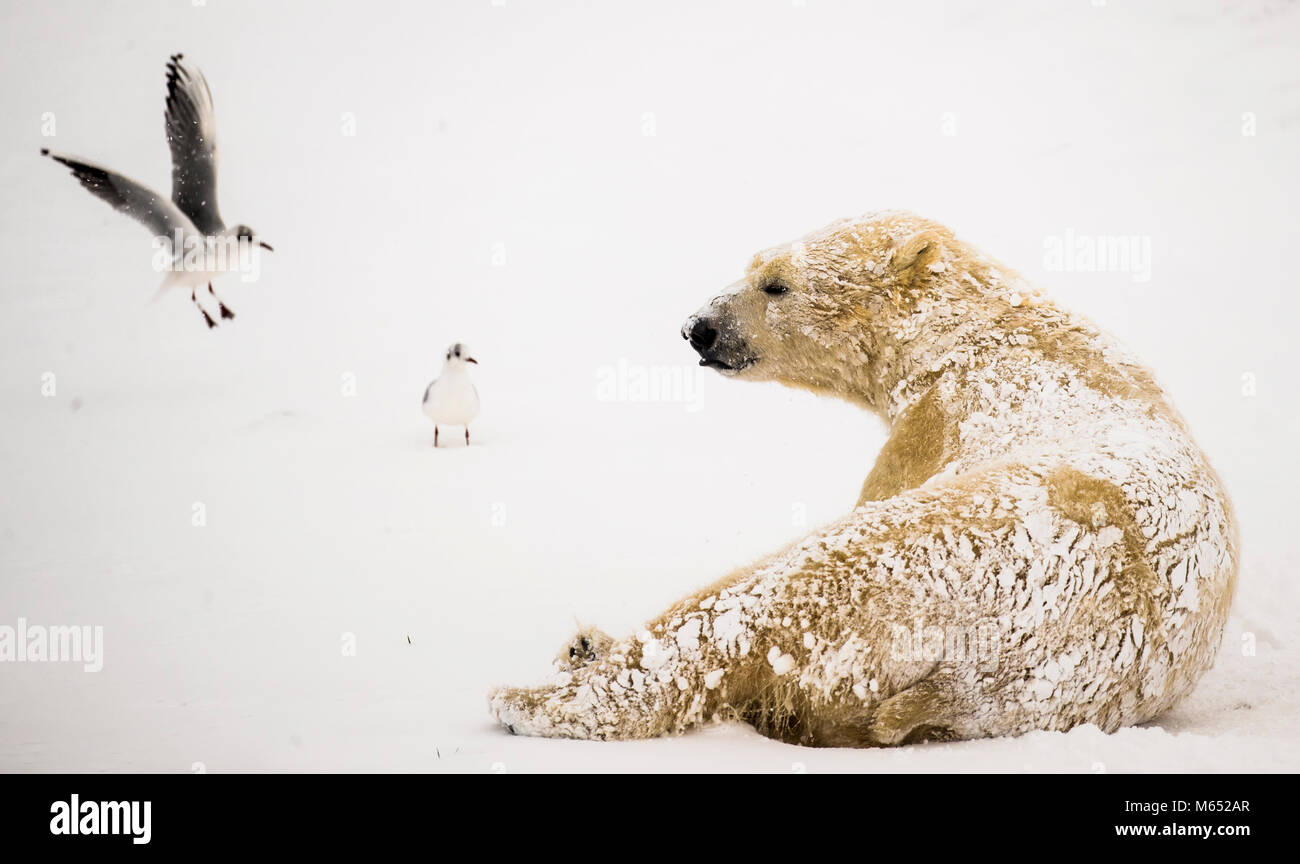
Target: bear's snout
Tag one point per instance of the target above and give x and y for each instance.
(700, 333)
(716, 350)
(713, 333)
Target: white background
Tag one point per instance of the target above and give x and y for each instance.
(501, 189)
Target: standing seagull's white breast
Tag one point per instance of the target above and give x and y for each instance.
(451, 399)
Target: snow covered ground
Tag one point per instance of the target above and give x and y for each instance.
(559, 185)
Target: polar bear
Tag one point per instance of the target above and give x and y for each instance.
(1040, 544)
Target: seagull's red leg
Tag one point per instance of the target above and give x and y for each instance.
(206, 316)
(225, 313)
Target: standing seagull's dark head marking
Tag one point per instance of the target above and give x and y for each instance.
(458, 354)
(191, 215)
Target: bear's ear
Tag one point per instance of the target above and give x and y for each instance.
(927, 242)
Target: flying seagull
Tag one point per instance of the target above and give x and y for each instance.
(201, 246)
(451, 399)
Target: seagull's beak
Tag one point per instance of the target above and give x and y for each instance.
(266, 246)
(471, 360)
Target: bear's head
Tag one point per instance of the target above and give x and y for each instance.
(835, 311)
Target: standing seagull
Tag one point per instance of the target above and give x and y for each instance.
(451, 399)
(190, 221)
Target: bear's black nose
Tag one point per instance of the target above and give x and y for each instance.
(702, 335)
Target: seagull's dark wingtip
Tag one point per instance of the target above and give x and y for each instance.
(45, 151)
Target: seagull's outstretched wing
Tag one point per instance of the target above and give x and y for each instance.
(192, 136)
(136, 200)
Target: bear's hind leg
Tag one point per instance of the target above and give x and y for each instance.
(926, 711)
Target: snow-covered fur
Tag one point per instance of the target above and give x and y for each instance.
(1040, 543)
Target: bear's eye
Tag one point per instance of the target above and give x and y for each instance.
(775, 288)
